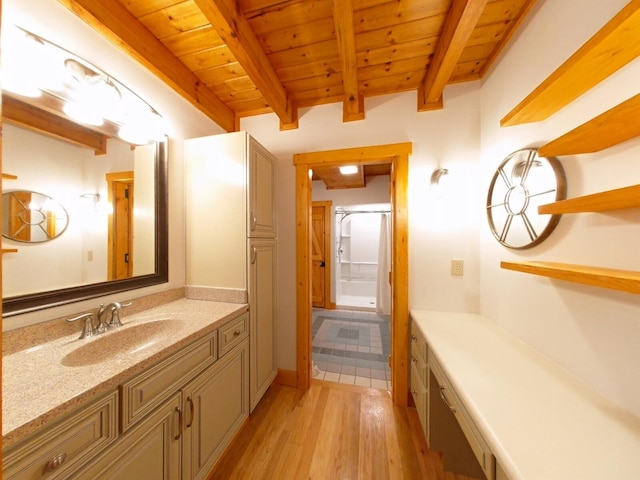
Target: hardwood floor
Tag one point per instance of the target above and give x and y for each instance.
(330, 432)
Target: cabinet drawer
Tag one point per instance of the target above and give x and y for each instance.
(59, 450)
(233, 333)
(418, 341)
(419, 394)
(477, 443)
(149, 389)
(419, 364)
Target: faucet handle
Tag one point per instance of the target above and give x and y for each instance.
(115, 318)
(88, 330)
(115, 314)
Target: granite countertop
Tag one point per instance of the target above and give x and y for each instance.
(46, 382)
(540, 421)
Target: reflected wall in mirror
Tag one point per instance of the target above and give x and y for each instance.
(116, 237)
(110, 239)
(32, 217)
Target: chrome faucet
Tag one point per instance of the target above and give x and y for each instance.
(88, 330)
(102, 325)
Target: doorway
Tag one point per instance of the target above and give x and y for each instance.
(398, 156)
(120, 226)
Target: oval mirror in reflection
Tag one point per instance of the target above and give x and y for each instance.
(32, 217)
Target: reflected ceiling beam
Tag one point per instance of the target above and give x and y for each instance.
(111, 19)
(33, 118)
(458, 27)
(236, 33)
(353, 108)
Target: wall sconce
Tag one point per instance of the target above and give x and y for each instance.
(436, 181)
(93, 197)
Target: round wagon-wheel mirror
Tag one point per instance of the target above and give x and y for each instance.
(522, 183)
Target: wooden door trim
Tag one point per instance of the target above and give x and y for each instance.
(327, 204)
(398, 155)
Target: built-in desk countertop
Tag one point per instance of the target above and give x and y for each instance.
(541, 422)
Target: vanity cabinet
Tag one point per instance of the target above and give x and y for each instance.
(445, 421)
(172, 421)
(60, 450)
(230, 184)
(185, 436)
(151, 450)
(453, 432)
(419, 378)
(215, 405)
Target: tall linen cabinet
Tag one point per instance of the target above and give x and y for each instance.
(230, 187)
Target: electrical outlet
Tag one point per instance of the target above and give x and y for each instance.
(457, 267)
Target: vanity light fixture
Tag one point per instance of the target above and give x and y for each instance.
(94, 198)
(349, 170)
(83, 92)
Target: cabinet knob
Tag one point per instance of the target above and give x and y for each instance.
(54, 462)
(413, 338)
(236, 333)
(254, 220)
(414, 359)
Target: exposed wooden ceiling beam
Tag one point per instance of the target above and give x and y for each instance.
(458, 27)
(235, 31)
(33, 118)
(113, 20)
(353, 108)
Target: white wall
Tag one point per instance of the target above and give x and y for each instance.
(439, 230)
(594, 333)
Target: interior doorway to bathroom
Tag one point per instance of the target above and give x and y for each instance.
(397, 155)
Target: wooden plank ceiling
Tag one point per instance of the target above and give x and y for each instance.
(233, 59)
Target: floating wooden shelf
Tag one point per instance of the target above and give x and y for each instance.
(623, 280)
(610, 128)
(627, 197)
(9, 250)
(612, 47)
(7, 176)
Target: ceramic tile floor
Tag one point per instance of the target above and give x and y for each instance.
(351, 347)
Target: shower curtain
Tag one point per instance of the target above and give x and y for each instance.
(383, 288)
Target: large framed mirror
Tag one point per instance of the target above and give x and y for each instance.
(111, 182)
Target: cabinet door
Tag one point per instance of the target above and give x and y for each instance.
(262, 189)
(262, 316)
(150, 451)
(216, 404)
